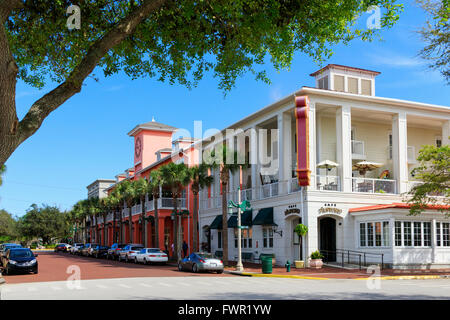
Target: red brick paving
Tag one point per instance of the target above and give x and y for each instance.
(53, 267)
(338, 273)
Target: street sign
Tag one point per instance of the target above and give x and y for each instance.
(243, 227)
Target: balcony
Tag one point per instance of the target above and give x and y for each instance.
(368, 185)
(358, 152)
(328, 183)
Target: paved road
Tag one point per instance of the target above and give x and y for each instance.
(227, 288)
(60, 266)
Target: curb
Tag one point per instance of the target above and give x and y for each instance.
(428, 277)
(262, 275)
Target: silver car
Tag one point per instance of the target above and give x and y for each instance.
(200, 261)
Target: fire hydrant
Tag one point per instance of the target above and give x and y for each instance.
(288, 266)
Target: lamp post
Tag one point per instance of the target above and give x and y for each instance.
(240, 206)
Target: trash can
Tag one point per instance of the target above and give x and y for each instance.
(266, 264)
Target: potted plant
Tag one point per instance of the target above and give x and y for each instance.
(301, 230)
(316, 260)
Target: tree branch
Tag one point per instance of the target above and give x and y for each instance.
(55, 98)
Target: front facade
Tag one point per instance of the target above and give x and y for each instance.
(351, 212)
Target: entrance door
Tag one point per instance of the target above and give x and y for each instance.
(297, 241)
(328, 238)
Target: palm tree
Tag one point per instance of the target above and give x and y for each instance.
(94, 209)
(2, 170)
(153, 186)
(226, 168)
(119, 192)
(141, 189)
(129, 193)
(200, 180)
(176, 177)
(108, 203)
(115, 201)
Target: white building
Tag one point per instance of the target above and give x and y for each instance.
(97, 189)
(349, 215)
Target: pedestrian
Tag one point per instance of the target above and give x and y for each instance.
(185, 248)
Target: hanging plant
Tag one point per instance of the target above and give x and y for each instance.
(301, 230)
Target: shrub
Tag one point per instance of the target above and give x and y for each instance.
(316, 255)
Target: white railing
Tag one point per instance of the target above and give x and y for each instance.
(269, 190)
(358, 149)
(246, 194)
(374, 185)
(293, 185)
(125, 212)
(137, 209)
(168, 203)
(328, 183)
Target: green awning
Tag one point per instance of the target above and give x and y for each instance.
(217, 223)
(246, 219)
(264, 217)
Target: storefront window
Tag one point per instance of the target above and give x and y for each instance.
(362, 234)
(386, 233)
(267, 237)
(378, 234)
(370, 234)
(438, 234)
(415, 234)
(219, 239)
(246, 238)
(446, 234)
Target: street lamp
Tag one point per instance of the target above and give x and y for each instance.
(241, 206)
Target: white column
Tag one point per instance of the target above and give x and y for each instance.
(400, 151)
(312, 145)
(446, 133)
(254, 159)
(284, 150)
(433, 241)
(344, 147)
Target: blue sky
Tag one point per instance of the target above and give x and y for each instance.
(86, 138)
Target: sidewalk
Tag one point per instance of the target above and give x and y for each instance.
(327, 272)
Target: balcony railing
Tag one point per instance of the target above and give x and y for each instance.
(328, 183)
(358, 150)
(374, 185)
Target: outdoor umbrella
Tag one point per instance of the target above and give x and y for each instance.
(327, 164)
(365, 166)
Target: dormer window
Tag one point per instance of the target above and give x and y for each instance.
(339, 83)
(323, 83)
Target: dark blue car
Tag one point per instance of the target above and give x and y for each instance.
(20, 260)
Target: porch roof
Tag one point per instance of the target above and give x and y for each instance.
(217, 222)
(264, 217)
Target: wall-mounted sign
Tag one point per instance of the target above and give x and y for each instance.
(334, 210)
(291, 211)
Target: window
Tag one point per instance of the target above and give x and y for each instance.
(438, 141)
(339, 83)
(370, 234)
(323, 83)
(219, 239)
(374, 234)
(443, 234)
(413, 234)
(366, 87)
(362, 234)
(246, 238)
(267, 237)
(352, 85)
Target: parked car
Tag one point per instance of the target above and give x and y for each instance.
(99, 251)
(199, 261)
(129, 252)
(151, 255)
(76, 247)
(4, 247)
(87, 249)
(113, 252)
(63, 247)
(21, 260)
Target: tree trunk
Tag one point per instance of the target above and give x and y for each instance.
(130, 225)
(176, 231)
(155, 201)
(224, 224)
(144, 223)
(195, 222)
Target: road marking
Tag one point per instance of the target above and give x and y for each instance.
(56, 288)
(32, 289)
(184, 284)
(101, 286)
(145, 285)
(124, 286)
(165, 284)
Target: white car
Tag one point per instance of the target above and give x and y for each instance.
(75, 249)
(151, 255)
